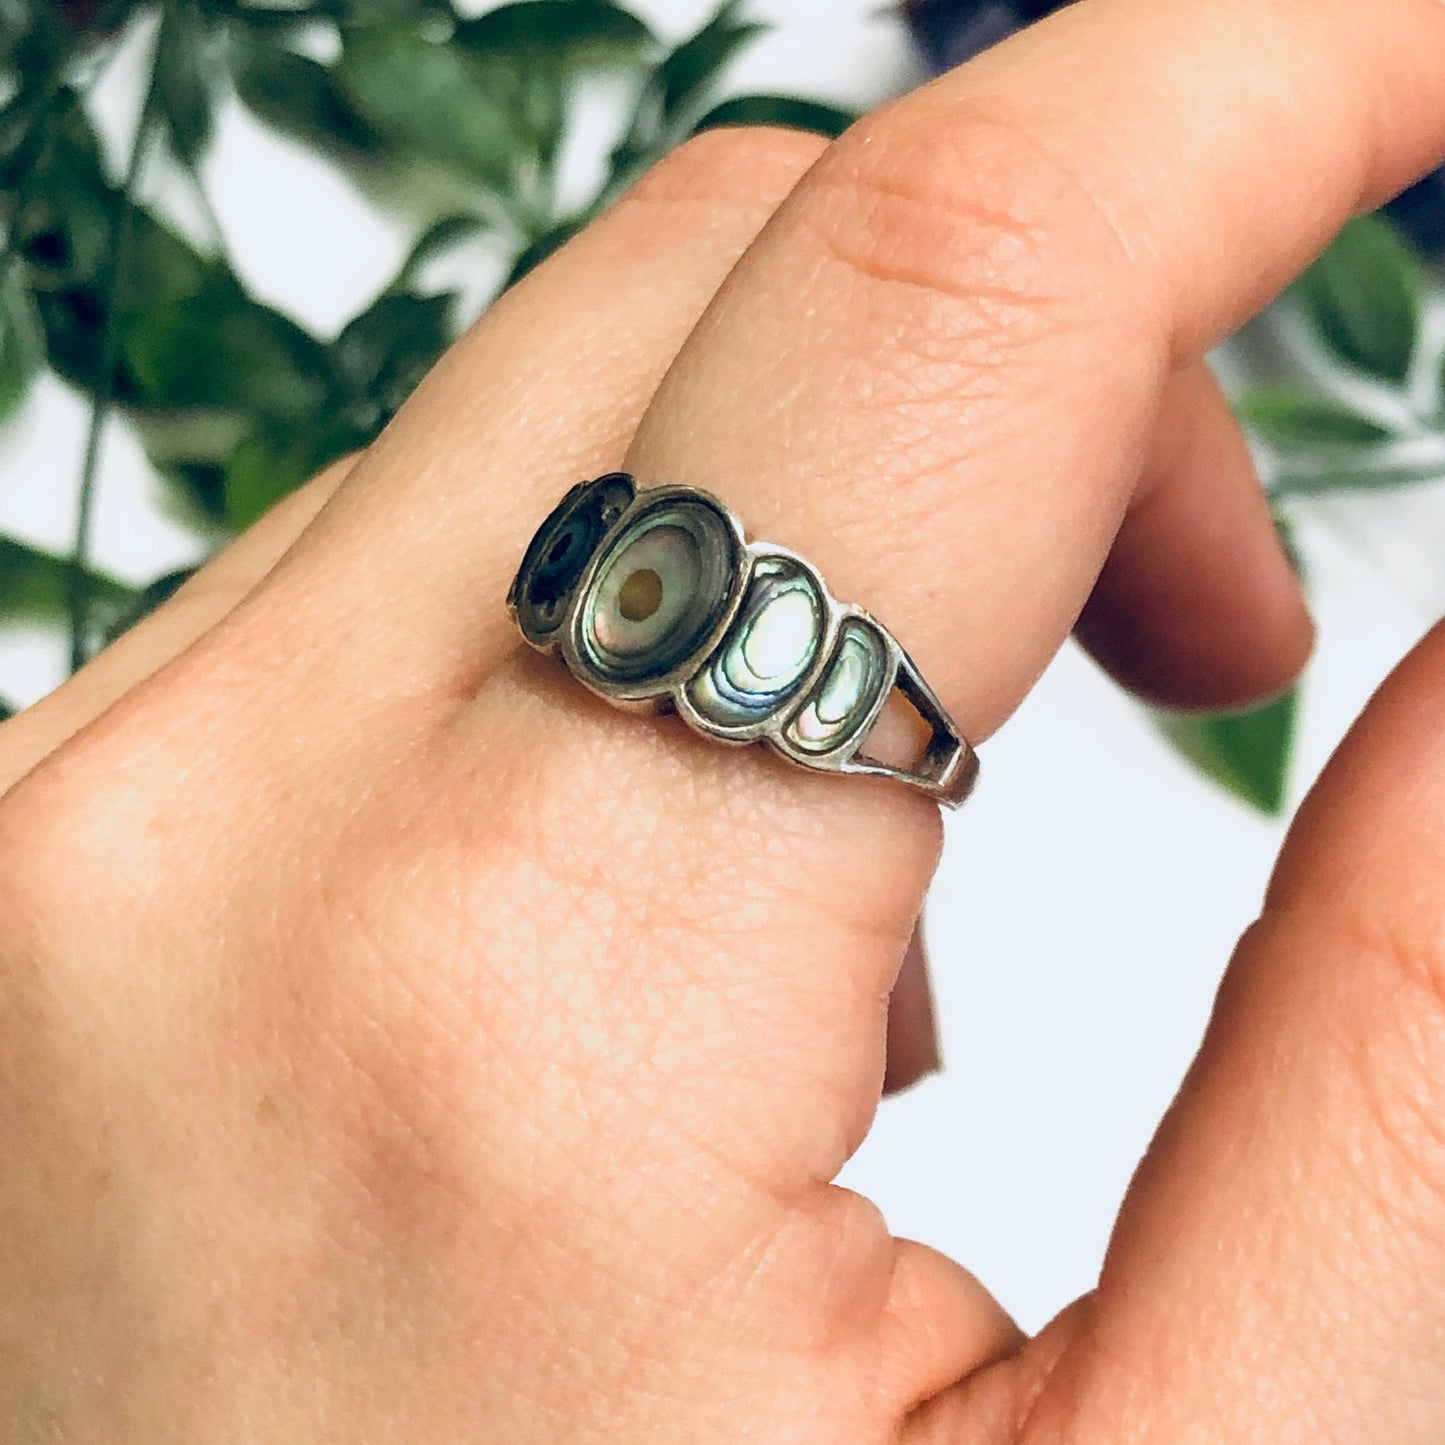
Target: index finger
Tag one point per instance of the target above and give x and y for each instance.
(950, 344)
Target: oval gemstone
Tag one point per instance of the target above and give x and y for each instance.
(646, 590)
(561, 550)
(657, 593)
(767, 652)
(852, 684)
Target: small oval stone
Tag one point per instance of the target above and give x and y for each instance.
(780, 641)
(561, 550)
(855, 678)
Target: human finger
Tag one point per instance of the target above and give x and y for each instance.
(1279, 1266)
(1198, 605)
(196, 606)
(548, 387)
(912, 1026)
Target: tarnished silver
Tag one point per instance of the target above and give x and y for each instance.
(657, 602)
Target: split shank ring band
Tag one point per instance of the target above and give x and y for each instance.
(657, 602)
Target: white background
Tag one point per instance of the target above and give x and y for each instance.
(1089, 896)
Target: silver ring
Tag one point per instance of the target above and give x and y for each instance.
(657, 602)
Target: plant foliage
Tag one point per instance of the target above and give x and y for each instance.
(235, 402)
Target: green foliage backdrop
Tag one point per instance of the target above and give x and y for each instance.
(236, 403)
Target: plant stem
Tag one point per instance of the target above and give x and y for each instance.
(78, 582)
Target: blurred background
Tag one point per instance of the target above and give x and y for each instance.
(237, 233)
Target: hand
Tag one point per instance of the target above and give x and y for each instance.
(398, 1044)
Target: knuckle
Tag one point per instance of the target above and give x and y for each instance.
(108, 823)
(65, 836)
(733, 164)
(971, 209)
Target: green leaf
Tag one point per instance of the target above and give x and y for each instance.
(64, 224)
(24, 121)
(34, 38)
(547, 244)
(543, 44)
(1364, 297)
(269, 466)
(1247, 753)
(182, 79)
(1294, 421)
(382, 354)
(678, 91)
(574, 31)
(686, 76)
(195, 490)
(219, 348)
(434, 100)
(1289, 544)
(34, 582)
(64, 211)
(536, 92)
(22, 346)
(278, 20)
(1368, 474)
(435, 241)
(71, 321)
(782, 110)
(299, 97)
(536, 48)
(162, 271)
(147, 600)
(357, 13)
(161, 266)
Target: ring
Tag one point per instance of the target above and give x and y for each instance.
(657, 602)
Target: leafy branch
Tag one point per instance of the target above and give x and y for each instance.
(78, 578)
(236, 403)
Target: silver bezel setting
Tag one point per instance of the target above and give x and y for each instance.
(659, 691)
(948, 766)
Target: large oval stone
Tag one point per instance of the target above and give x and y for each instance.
(646, 591)
(658, 592)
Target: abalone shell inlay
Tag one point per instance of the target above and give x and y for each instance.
(852, 683)
(768, 650)
(560, 551)
(658, 592)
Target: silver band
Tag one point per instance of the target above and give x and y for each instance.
(656, 601)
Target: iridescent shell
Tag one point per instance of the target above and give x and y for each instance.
(847, 695)
(768, 650)
(658, 594)
(559, 553)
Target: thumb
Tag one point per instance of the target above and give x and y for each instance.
(1278, 1272)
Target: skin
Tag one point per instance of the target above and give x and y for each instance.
(400, 1044)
